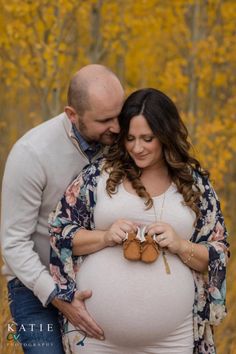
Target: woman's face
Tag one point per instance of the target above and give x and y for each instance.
(142, 145)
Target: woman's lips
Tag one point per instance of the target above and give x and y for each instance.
(139, 156)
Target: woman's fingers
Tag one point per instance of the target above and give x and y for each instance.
(127, 226)
(156, 229)
(121, 227)
(162, 240)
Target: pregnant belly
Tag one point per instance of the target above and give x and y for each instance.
(136, 303)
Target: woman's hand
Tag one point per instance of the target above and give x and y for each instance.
(117, 232)
(195, 256)
(166, 237)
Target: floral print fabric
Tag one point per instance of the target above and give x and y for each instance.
(75, 211)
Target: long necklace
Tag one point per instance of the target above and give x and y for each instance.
(167, 267)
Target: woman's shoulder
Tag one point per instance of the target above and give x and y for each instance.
(201, 179)
(93, 169)
(88, 176)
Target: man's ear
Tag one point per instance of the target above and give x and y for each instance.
(71, 114)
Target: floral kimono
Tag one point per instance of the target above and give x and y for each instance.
(76, 210)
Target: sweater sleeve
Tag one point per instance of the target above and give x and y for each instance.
(218, 247)
(22, 189)
(71, 214)
(211, 232)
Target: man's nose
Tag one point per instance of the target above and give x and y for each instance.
(115, 128)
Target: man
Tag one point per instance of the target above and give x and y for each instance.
(38, 170)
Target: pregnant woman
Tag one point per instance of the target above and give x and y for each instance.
(150, 186)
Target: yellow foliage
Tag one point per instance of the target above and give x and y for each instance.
(185, 48)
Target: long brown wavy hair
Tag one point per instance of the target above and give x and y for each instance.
(164, 120)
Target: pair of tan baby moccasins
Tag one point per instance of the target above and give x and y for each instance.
(140, 247)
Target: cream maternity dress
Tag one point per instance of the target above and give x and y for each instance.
(140, 307)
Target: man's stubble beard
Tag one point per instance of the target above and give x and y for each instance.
(82, 128)
(112, 139)
(103, 139)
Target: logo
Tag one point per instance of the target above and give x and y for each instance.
(12, 335)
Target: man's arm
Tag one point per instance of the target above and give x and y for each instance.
(22, 190)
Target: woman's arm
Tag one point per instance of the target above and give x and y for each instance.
(71, 214)
(208, 247)
(89, 241)
(195, 256)
(211, 232)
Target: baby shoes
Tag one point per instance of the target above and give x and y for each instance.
(149, 250)
(140, 246)
(131, 247)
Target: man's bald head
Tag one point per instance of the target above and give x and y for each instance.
(89, 80)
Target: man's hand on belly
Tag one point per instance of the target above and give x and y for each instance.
(78, 315)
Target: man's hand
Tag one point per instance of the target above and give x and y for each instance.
(77, 314)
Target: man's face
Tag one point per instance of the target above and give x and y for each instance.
(100, 128)
(100, 123)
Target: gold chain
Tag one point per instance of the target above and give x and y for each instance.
(167, 267)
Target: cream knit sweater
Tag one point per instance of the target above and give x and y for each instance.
(39, 168)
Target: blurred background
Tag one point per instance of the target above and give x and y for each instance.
(185, 48)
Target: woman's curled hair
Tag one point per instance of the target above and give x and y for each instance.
(164, 120)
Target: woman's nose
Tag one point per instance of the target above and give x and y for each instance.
(137, 148)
